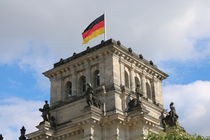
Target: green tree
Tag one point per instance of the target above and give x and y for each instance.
(175, 133)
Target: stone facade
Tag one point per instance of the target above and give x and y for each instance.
(114, 71)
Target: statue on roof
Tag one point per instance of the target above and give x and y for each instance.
(172, 113)
(171, 117)
(22, 134)
(89, 94)
(90, 98)
(1, 137)
(45, 112)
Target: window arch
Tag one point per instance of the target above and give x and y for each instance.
(82, 84)
(96, 78)
(149, 92)
(126, 79)
(68, 88)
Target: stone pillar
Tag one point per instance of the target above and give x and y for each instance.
(104, 100)
(58, 88)
(123, 100)
(116, 71)
(117, 132)
(88, 72)
(153, 90)
(144, 85)
(158, 92)
(53, 97)
(132, 79)
(88, 132)
(74, 83)
(104, 131)
(122, 78)
(127, 133)
(102, 72)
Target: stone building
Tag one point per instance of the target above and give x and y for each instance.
(118, 113)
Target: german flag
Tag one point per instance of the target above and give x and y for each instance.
(94, 29)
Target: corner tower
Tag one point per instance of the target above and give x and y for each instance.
(116, 75)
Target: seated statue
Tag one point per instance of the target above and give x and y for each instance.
(90, 98)
(171, 118)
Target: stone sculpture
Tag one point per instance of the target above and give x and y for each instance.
(90, 98)
(1, 137)
(171, 118)
(45, 112)
(134, 103)
(22, 133)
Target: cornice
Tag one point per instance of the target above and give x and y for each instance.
(141, 63)
(103, 49)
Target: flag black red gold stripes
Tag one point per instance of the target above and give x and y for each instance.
(94, 29)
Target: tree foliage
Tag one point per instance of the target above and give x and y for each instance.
(175, 133)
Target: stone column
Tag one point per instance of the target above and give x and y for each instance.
(58, 88)
(153, 91)
(52, 91)
(74, 83)
(102, 71)
(88, 132)
(158, 92)
(123, 100)
(144, 85)
(88, 72)
(122, 78)
(104, 131)
(116, 71)
(132, 79)
(104, 100)
(127, 133)
(115, 135)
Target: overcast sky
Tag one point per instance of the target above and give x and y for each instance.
(34, 34)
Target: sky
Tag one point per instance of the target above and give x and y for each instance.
(35, 34)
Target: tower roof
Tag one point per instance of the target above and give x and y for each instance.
(117, 45)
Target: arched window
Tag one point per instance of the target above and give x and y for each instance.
(82, 84)
(126, 80)
(149, 92)
(68, 89)
(137, 82)
(96, 78)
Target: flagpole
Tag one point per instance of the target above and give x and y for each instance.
(104, 25)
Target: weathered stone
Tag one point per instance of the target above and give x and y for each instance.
(126, 110)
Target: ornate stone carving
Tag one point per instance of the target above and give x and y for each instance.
(171, 118)
(47, 116)
(45, 111)
(90, 98)
(22, 134)
(1, 137)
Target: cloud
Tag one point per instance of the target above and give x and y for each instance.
(192, 103)
(35, 34)
(17, 112)
(162, 30)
